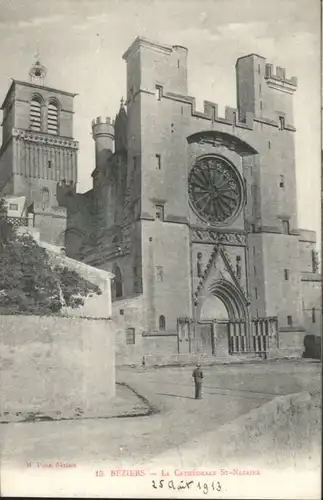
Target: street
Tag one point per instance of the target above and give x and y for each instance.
(228, 392)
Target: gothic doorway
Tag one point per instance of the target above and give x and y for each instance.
(213, 325)
(222, 325)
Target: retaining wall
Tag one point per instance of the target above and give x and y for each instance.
(55, 366)
(278, 434)
(60, 366)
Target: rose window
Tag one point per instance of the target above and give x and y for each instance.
(215, 189)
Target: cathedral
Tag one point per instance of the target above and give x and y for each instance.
(194, 213)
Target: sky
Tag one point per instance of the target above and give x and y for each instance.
(81, 43)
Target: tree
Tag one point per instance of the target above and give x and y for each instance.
(29, 284)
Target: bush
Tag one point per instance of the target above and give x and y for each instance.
(74, 287)
(6, 229)
(30, 285)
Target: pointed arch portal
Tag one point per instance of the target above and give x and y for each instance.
(214, 308)
(223, 318)
(231, 298)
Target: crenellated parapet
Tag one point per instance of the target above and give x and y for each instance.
(65, 192)
(103, 135)
(67, 184)
(278, 80)
(102, 126)
(231, 115)
(210, 111)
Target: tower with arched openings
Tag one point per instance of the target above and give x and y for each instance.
(38, 150)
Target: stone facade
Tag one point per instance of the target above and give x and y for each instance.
(196, 214)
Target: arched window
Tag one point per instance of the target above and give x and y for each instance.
(117, 282)
(52, 118)
(45, 198)
(35, 114)
(162, 323)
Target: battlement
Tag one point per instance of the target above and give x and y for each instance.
(210, 111)
(103, 128)
(278, 79)
(231, 116)
(65, 193)
(100, 120)
(64, 183)
(162, 72)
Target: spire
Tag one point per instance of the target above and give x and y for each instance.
(120, 129)
(37, 72)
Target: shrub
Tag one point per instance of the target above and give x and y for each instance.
(6, 229)
(74, 287)
(30, 285)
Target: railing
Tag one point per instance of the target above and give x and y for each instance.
(17, 221)
(262, 330)
(238, 342)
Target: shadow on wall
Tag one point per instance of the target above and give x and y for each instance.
(312, 347)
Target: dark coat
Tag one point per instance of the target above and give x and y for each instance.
(197, 375)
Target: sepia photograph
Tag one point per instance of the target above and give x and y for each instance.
(160, 249)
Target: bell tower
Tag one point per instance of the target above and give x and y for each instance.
(38, 150)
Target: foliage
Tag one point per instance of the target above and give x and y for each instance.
(27, 282)
(73, 287)
(30, 285)
(6, 229)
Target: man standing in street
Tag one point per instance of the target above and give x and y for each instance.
(198, 377)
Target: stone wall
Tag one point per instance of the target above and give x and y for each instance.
(51, 224)
(148, 350)
(312, 303)
(59, 366)
(54, 365)
(307, 244)
(167, 349)
(6, 175)
(289, 344)
(277, 439)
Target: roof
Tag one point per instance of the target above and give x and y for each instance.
(142, 41)
(248, 55)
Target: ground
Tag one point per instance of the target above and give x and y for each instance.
(228, 392)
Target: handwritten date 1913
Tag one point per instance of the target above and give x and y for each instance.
(186, 485)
